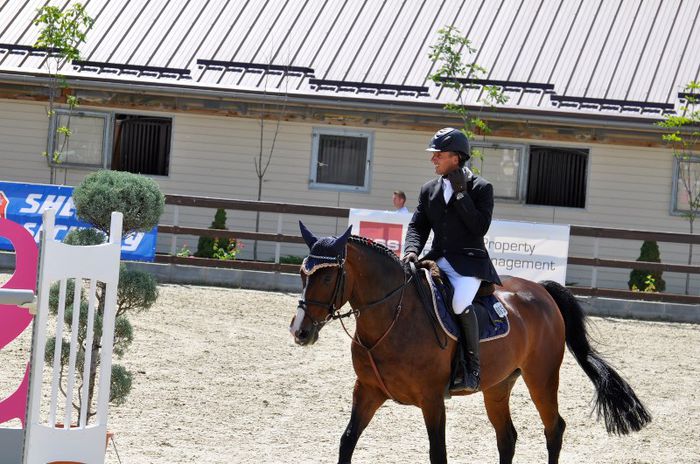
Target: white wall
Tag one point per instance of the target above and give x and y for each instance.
(23, 130)
(628, 187)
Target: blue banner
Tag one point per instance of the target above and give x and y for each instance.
(25, 203)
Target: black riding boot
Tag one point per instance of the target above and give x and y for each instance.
(469, 380)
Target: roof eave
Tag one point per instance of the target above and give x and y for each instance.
(417, 108)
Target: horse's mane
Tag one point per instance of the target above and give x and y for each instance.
(378, 247)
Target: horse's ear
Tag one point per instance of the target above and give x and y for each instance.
(346, 235)
(309, 238)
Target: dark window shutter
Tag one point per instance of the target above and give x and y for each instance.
(142, 145)
(557, 177)
(341, 160)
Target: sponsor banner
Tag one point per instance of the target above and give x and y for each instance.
(529, 250)
(385, 227)
(523, 249)
(25, 203)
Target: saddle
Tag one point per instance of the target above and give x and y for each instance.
(436, 293)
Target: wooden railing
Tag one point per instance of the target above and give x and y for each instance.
(278, 238)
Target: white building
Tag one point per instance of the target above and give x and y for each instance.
(176, 90)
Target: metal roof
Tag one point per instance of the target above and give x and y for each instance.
(615, 57)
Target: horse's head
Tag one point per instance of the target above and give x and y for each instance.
(323, 280)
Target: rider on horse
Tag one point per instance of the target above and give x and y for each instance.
(457, 206)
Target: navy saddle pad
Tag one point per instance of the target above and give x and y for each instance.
(492, 316)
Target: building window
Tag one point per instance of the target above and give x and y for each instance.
(557, 177)
(686, 184)
(141, 144)
(503, 166)
(123, 142)
(87, 143)
(341, 160)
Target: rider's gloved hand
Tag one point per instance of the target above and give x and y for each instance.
(458, 179)
(409, 257)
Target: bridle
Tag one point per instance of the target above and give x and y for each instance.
(331, 308)
(333, 311)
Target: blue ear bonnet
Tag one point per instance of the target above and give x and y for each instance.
(323, 251)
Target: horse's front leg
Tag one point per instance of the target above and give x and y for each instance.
(365, 402)
(434, 416)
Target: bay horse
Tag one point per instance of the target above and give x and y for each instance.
(395, 354)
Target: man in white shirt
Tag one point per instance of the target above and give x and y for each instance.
(399, 200)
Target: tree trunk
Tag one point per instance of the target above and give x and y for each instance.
(690, 259)
(95, 357)
(257, 219)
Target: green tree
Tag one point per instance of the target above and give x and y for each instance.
(140, 201)
(60, 34)
(682, 133)
(457, 70)
(639, 278)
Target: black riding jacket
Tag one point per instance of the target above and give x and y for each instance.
(459, 227)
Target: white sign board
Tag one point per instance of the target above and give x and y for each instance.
(529, 250)
(523, 249)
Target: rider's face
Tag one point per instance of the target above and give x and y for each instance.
(444, 162)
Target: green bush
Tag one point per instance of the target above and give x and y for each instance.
(205, 246)
(137, 197)
(291, 259)
(640, 279)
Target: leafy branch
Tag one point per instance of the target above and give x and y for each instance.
(683, 134)
(61, 32)
(452, 53)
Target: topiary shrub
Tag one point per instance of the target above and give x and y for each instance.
(137, 197)
(645, 280)
(206, 245)
(140, 201)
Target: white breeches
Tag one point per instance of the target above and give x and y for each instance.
(465, 287)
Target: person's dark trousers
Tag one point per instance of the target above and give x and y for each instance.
(469, 326)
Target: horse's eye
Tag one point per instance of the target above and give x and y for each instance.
(327, 280)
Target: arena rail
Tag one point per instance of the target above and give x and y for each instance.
(595, 262)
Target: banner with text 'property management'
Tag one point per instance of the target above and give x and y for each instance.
(25, 203)
(523, 249)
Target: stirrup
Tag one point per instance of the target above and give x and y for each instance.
(468, 384)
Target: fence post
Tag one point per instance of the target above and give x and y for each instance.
(594, 271)
(277, 244)
(173, 237)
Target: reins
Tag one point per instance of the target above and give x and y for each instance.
(356, 339)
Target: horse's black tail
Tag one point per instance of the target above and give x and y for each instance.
(615, 401)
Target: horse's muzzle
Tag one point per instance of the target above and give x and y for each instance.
(306, 337)
(302, 336)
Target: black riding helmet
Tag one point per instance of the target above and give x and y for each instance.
(450, 139)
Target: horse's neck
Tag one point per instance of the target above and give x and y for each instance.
(373, 278)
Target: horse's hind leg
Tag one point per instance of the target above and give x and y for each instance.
(365, 402)
(496, 400)
(543, 387)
